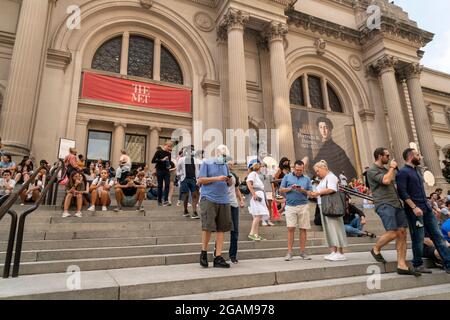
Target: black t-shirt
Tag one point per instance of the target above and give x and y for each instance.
(190, 168)
(128, 191)
(160, 164)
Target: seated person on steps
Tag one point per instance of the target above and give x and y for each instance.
(99, 190)
(129, 192)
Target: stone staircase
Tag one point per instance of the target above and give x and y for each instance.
(154, 255)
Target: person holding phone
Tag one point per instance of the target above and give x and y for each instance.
(74, 190)
(99, 190)
(258, 207)
(297, 188)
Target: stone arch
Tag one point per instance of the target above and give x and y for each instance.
(102, 19)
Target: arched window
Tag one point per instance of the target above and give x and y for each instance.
(296, 93)
(140, 57)
(107, 57)
(335, 103)
(170, 69)
(315, 92)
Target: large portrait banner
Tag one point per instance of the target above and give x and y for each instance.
(322, 136)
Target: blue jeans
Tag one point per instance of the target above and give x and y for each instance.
(235, 233)
(418, 233)
(355, 227)
(163, 176)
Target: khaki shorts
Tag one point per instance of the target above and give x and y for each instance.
(298, 217)
(215, 217)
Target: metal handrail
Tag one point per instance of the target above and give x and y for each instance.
(24, 215)
(15, 195)
(354, 193)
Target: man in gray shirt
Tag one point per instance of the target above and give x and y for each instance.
(389, 208)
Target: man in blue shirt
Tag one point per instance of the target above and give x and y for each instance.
(214, 179)
(419, 212)
(297, 187)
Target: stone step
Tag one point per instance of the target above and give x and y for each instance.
(188, 279)
(436, 292)
(322, 289)
(101, 261)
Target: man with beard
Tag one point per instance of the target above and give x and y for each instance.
(333, 154)
(419, 212)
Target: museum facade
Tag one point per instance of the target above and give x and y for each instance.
(126, 74)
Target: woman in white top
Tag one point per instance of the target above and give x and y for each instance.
(34, 189)
(333, 228)
(258, 207)
(99, 190)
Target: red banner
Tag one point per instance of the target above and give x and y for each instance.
(142, 94)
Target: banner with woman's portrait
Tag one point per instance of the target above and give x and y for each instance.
(322, 136)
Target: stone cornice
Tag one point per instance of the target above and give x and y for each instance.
(436, 92)
(389, 27)
(7, 38)
(323, 27)
(208, 3)
(367, 115)
(58, 59)
(211, 87)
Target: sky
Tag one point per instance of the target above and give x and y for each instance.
(432, 16)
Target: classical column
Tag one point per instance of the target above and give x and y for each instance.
(118, 142)
(306, 90)
(424, 132)
(280, 89)
(81, 134)
(157, 60)
(386, 68)
(234, 22)
(153, 141)
(124, 53)
(19, 107)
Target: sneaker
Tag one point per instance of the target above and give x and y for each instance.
(330, 256)
(66, 215)
(219, 262)
(91, 208)
(118, 210)
(204, 259)
(252, 237)
(104, 208)
(234, 260)
(422, 269)
(167, 204)
(288, 257)
(79, 214)
(195, 216)
(270, 223)
(186, 214)
(178, 203)
(338, 257)
(304, 256)
(264, 223)
(259, 238)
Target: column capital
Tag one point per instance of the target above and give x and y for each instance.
(232, 19)
(411, 71)
(153, 128)
(120, 124)
(385, 64)
(276, 31)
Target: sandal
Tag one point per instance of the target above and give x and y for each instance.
(371, 235)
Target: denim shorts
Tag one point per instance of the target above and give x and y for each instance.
(188, 185)
(393, 218)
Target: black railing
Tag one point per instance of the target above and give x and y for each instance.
(22, 218)
(355, 193)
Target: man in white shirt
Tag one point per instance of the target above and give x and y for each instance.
(6, 183)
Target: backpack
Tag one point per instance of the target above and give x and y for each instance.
(243, 187)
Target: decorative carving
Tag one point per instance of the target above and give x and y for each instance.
(320, 45)
(386, 63)
(414, 70)
(147, 4)
(276, 31)
(234, 19)
(203, 21)
(430, 113)
(367, 115)
(355, 62)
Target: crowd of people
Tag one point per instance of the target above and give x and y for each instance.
(216, 194)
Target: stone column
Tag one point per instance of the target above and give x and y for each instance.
(234, 22)
(124, 53)
(280, 89)
(19, 107)
(81, 132)
(157, 60)
(153, 141)
(118, 142)
(386, 68)
(424, 132)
